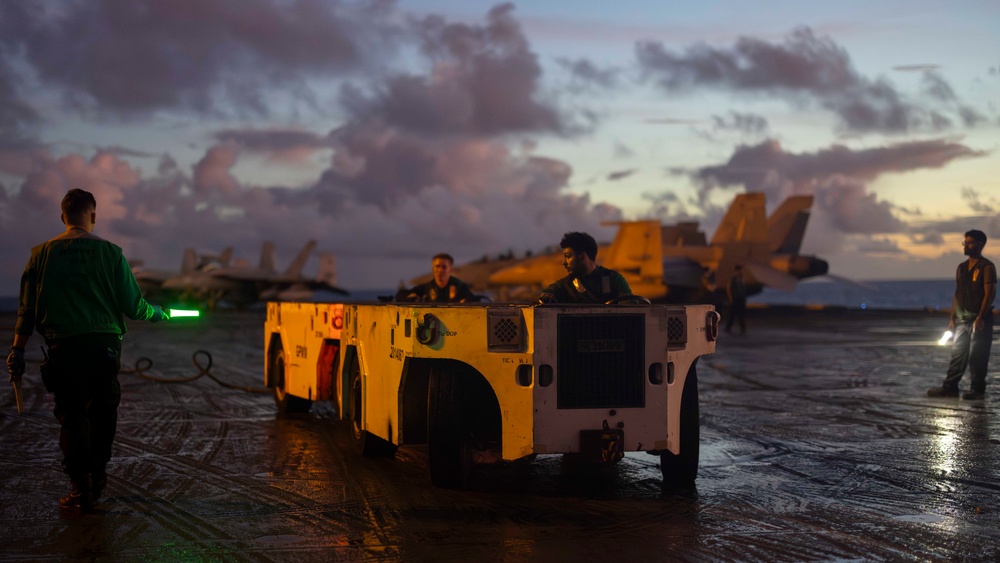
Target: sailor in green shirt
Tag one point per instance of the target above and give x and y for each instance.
(75, 291)
(587, 282)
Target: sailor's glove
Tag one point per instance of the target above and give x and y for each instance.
(547, 298)
(15, 363)
(159, 314)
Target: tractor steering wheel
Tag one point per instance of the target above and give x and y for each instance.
(628, 299)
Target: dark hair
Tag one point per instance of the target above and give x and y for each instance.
(580, 242)
(445, 256)
(77, 201)
(977, 236)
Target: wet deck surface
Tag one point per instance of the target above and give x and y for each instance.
(818, 444)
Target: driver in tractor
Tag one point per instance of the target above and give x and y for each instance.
(587, 282)
(442, 288)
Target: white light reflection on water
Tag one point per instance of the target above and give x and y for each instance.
(945, 455)
(945, 444)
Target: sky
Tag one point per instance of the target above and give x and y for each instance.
(390, 131)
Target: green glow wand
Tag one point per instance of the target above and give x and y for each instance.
(174, 313)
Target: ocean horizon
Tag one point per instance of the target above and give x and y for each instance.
(882, 294)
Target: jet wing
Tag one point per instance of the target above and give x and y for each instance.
(855, 283)
(679, 271)
(771, 277)
(540, 271)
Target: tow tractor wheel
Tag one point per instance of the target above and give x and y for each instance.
(682, 469)
(448, 452)
(286, 403)
(369, 444)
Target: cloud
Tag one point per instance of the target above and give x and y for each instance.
(930, 229)
(208, 56)
(747, 123)
(22, 160)
(621, 150)
(124, 151)
(805, 69)
(17, 117)
(976, 202)
(970, 116)
(467, 197)
(671, 121)
(424, 162)
(434, 147)
(30, 214)
(291, 146)
(272, 140)
(838, 177)
(587, 73)
(937, 88)
(670, 208)
(926, 236)
(916, 67)
(742, 125)
(852, 209)
(768, 167)
(211, 173)
(485, 80)
(620, 175)
(879, 246)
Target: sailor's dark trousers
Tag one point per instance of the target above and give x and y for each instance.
(82, 373)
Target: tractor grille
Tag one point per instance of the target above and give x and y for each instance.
(677, 330)
(506, 330)
(601, 361)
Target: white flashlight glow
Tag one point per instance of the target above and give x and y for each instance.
(945, 338)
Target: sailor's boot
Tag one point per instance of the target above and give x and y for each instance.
(80, 500)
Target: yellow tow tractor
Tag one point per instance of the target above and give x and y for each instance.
(511, 379)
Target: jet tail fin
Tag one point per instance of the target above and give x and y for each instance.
(267, 257)
(786, 227)
(742, 236)
(746, 221)
(327, 272)
(637, 250)
(226, 256)
(190, 261)
(295, 268)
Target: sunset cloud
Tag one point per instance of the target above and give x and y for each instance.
(804, 69)
(463, 197)
(208, 56)
(484, 81)
(837, 176)
(768, 167)
(17, 117)
(389, 134)
(587, 73)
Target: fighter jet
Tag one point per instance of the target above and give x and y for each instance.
(243, 285)
(306, 290)
(673, 263)
(151, 281)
